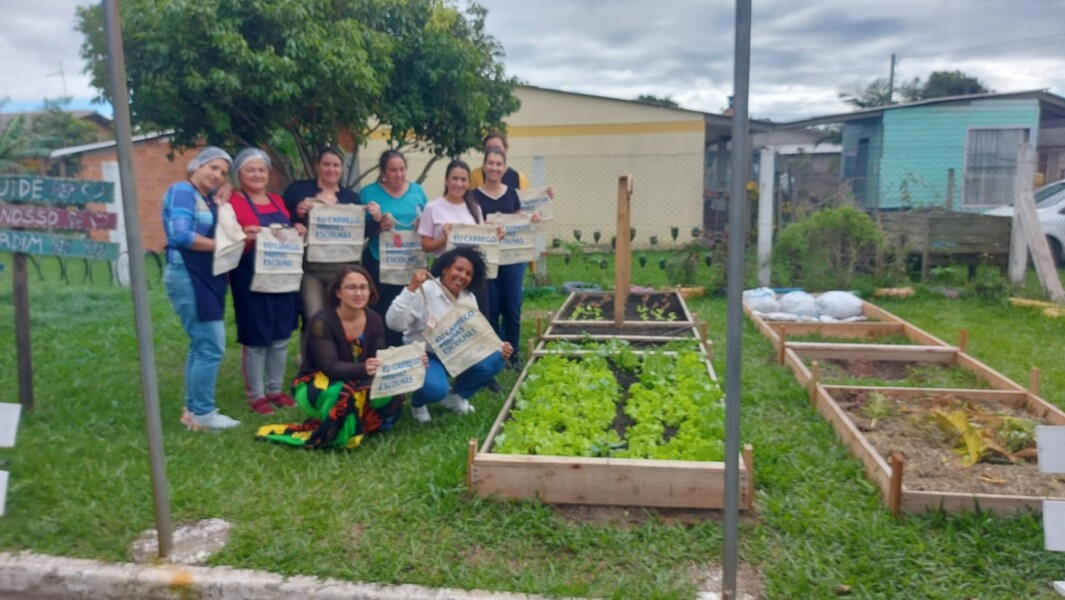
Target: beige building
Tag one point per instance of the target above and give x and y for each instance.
(580, 144)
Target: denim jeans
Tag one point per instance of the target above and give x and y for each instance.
(504, 302)
(467, 383)
(207, 342)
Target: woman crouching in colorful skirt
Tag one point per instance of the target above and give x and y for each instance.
(339, 362)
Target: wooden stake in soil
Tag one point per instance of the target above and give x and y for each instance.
(781, 343)
(623, 250)
(1033, 381)
(471, 453)
(895, 489)
(815, 375)
(963, 340)
(539, 328)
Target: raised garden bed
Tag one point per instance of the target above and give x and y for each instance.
(647, 315)
(880, 324)
(922, 446)
(610, 428)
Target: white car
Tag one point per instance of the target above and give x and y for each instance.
(1050, 206)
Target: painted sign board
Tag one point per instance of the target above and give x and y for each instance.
(42, 216)
(31, 242)
(55, 190)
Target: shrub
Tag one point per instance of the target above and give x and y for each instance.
(826, 249)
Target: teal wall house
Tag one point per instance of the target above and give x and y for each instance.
(958, 152)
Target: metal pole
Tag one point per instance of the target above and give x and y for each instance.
(741, 156)
(891, 81)
(138, 279)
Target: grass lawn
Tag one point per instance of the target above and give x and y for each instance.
(396, 510)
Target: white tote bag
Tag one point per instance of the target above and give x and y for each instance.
(401, 370)
(462, 337)
(518, 245)
(229, 239)
(401, 255)
(336, 233)
(483, 237)
(278, 260)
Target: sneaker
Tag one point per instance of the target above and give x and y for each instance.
(457, 404)
(261, 405)
(281, 399)
(212, 420)
(186, 418)
(514, 362)
(493, 386)
(420, 414)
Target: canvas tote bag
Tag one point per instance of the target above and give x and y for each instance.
(462, 337)
(278, 260)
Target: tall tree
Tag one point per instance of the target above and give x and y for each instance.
(861, 95)
(55, 127)
(294, 74)
(941, 84)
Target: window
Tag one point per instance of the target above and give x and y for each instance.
(991, 165)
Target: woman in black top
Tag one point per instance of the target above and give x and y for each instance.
(339, 362)
(504, 292)
(300, 197)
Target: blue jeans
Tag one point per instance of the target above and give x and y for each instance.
(504, 302)
(466, 384)
(207, 342)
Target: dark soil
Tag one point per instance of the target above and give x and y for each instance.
(899, 373)
(660, 306)
(680, 332)
(931, 461)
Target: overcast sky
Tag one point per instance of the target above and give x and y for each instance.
(801, 55)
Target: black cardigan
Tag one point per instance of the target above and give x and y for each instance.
(326, 348)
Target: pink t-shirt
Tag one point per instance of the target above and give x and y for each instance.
(440, 211)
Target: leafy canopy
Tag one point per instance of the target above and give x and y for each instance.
(291, 75)
(941, 84)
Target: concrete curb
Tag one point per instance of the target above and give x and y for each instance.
(28, 575)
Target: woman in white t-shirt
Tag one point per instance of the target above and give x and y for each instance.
(455, 206)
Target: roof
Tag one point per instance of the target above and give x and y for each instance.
(1052, 102)
(72, 150)
(712, 119)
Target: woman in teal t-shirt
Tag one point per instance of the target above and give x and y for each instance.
(396, 204)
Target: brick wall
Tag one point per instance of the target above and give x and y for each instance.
(154, 172)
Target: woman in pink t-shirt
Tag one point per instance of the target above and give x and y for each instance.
(456, 206)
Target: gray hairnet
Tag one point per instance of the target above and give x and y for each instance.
(248, 154)
(207, 155)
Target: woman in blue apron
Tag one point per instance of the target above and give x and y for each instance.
(265, 321)
(190, 212)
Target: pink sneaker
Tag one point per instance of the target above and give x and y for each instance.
(281, 399)
(261, 405)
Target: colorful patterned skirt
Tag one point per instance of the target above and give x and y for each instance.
(340, 414)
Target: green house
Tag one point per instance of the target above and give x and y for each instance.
(958, 152)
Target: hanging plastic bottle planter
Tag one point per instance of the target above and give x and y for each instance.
(577, 234)
(596, 235)
(613, 242)
(696, 232)
(643, 260)
(566, 257)
(632, 233)
(674, 231)
(662, 263)
(603, 263)
(556, 242)
(654, 240)
(708, 259)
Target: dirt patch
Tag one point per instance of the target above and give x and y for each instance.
(932, 464)
(900, 373)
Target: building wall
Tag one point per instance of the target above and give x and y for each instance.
(923, 142)
(853, 133)
(154, 172)
(586, 143)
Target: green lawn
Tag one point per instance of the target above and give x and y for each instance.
(396, 510)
